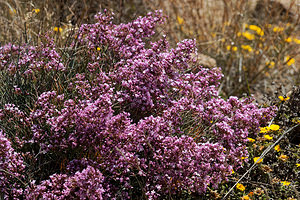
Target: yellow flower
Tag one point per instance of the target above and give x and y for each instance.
(243, 158)
(298, 164)
(229, 47)
(285, 183)
(232, 172)
(36, 10)
(289, 60)
(246, 47)
(254, 27)
(277, 148)
(180, 20)
(248, 35)
(270, 64)
(251, 139)
(240, 187)
(283, 99)
(278, 29)
(289, 39)
(245, 25)
(56, 29)
(283, 157)
(264, 129)
(239, 34)
(256, 159)
(246, 197)
(274, 127)
(258, 30)
(296, 40)
(268, 137)
(261, 33)
(98, 48)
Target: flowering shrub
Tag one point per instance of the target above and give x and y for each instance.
(83, 185)
(28, 71)
(127, 118)
(11, 169)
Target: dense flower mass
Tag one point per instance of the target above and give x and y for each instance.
(11, 169)
(85, 184)
(27, 59)
(132, 119)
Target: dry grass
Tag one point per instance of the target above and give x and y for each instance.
(25, 21)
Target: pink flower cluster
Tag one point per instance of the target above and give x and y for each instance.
(85, 184)
(27, 60)
(11, 170)
(137, 120)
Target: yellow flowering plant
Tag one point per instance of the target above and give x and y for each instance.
(57, 29)
(248, 35)
(257, 160)
(270, 64)
(274, 127)
(247, 47)
(277, 148)
(180, 20)
(289, 39)
(36, 10)
(268, 137)
(289, 60)
(240, 187)
(285, 183)
(253, 45)
(277, 29)
(258, 30)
